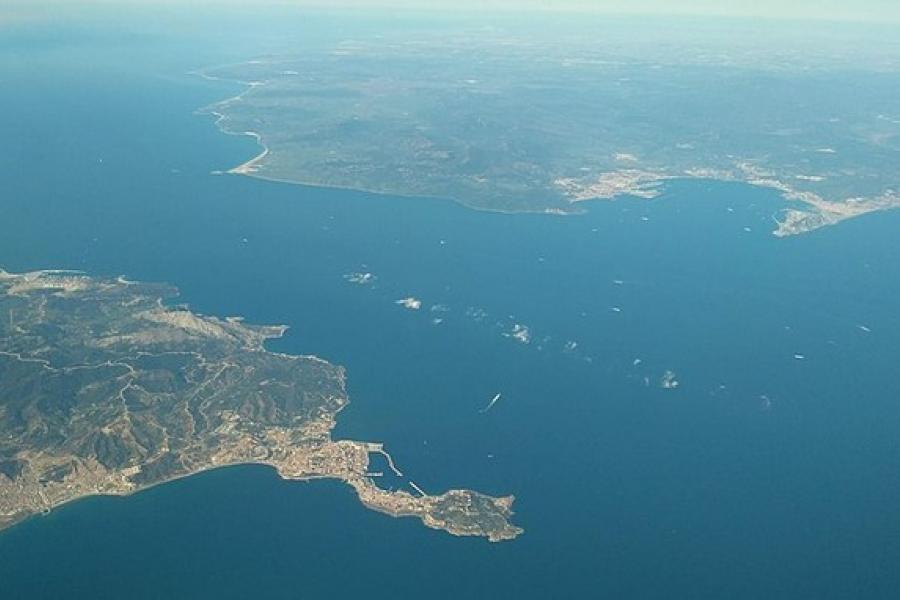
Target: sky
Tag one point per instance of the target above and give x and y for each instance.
(880, 11)
(876, 10)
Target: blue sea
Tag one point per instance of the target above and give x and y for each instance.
(770, 471)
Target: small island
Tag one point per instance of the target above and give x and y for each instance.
(106, 389)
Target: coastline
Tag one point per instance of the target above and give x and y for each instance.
(300, 448)
(817, 212)
(220, 118)
(375, 192)
(248, 168)
(367, 493)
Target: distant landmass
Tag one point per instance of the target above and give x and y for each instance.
(507, 124)
(105, 389)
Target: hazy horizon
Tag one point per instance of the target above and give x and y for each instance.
(868, 11)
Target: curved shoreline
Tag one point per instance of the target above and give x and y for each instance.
(816, 213)
(367, 493)
(203, 421)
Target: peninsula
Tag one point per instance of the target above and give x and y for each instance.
(106, 389)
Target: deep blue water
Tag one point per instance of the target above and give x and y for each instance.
(760, 476)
